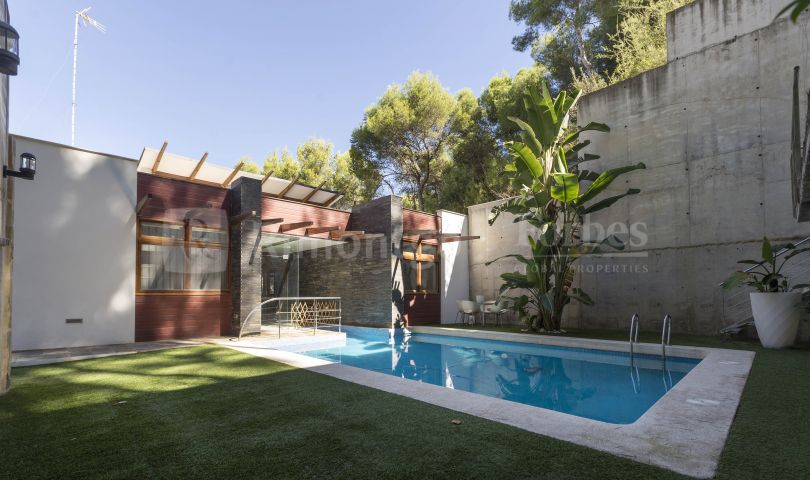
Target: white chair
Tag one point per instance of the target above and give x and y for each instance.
(499, 308)
(460, 312)
(470, 310)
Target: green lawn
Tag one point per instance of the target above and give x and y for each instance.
(210, 412)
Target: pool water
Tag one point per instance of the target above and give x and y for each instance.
(594, 384)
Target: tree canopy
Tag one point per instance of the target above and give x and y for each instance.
(568, 37)
(407, 136)
(316, 163)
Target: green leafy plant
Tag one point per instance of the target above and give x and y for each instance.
(766, 275)
(554, 196)
(796, 7)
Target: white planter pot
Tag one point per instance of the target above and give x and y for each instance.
(776, 316)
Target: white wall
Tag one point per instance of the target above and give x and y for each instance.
(74, 248)
(455, 270)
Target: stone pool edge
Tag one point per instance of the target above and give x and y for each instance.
(685, 431)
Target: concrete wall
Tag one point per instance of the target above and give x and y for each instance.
(713, 128)
(455, 268)
(708, 22)
(75, 251)
(502, 238)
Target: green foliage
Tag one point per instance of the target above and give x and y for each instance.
(640, 44)
(569, 37)
(767, 276)
(407, 136)
(316, 163)
(248, 165)
(554, 197)
(796, 7)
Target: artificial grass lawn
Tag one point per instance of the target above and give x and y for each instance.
(211, 412)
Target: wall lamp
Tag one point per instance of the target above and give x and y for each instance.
(9, 49)
(28, 167)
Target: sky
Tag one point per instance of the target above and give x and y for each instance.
(241, 77)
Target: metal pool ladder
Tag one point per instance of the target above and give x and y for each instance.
(666, 333)
(634, 323)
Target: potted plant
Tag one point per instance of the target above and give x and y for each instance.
(775, 304)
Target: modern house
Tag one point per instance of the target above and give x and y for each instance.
(163, 247)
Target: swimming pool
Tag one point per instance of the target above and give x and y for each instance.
(595, 384)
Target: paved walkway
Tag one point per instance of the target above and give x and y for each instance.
(28, 358)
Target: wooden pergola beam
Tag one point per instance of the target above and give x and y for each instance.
(286, 227)
(313, 192)
(159, 157)
(367, 236)
(233, 173)
(289, 186)
(430, 236)
(345, 233)
(317, 230)
(198, 166)
(412, 233)
(267, 176)
(271, 221)
(142, 203)
(459, 239)
(241, 217)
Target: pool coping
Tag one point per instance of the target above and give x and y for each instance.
(685, 431)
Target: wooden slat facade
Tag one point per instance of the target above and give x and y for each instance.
(295, 212)
(161, 316)
(420, 308)
(165, 317)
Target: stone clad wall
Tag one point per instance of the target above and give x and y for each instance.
(360, 272)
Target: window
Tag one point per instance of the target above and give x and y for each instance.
(420, 268)
(179, 256)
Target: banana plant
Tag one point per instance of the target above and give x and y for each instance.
(554, 195)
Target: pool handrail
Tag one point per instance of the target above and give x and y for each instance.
(280, 299)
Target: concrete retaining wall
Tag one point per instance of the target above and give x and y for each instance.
(713, 128)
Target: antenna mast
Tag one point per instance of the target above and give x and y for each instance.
(86, 19)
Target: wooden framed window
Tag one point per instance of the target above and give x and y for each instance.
(177, 257)
(420, 268)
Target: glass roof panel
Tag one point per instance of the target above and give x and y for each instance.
(279, 244)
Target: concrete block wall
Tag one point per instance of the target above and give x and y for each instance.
(360, 272)
(713, 128)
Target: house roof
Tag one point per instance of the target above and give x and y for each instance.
(162, 163)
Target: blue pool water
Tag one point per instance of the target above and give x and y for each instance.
(594, 384)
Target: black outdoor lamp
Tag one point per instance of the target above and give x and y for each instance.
(28, 167)
(9, 49)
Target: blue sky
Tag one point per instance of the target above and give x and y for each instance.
(241, 77)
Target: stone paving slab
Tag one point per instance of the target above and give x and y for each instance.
(27, 358)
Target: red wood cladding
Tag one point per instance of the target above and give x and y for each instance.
(172, 198)
(413, 220)
(422, 309)
(294, 212)
(164, 317)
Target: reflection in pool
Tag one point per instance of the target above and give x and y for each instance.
(594, 384)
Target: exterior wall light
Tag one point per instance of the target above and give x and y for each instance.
(28, 167)
(9, 49)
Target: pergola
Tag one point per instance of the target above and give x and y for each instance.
(168, 165)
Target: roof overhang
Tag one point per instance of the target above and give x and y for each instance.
(162, 163)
